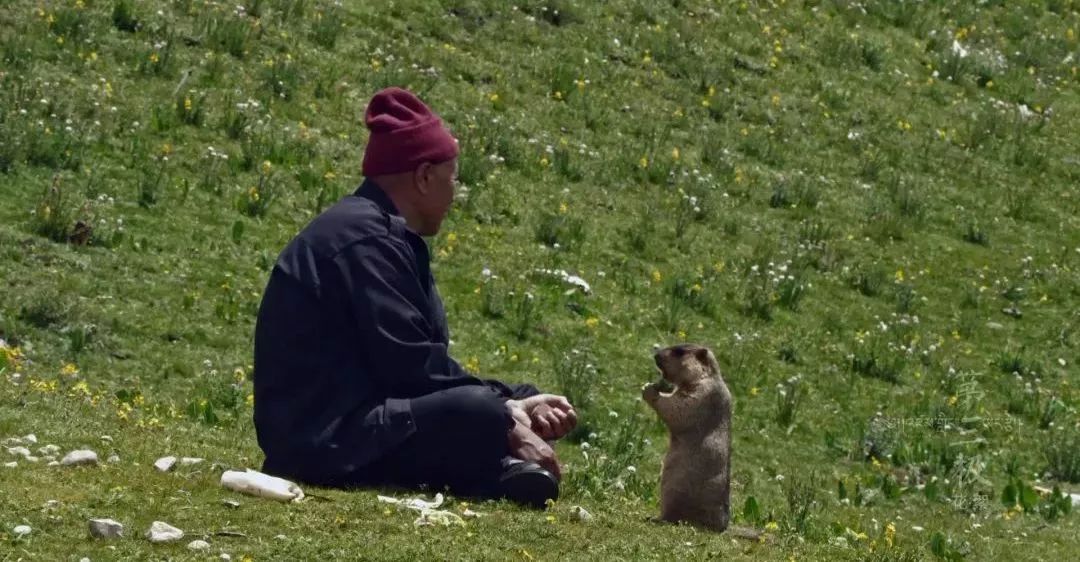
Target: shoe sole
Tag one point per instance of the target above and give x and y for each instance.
(531, 488)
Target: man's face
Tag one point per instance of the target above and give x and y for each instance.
(436, 184)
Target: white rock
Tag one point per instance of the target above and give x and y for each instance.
(48, 450)
(49, 458)
(188, 461)
(106, 529)
(29, 439)
(198, 545)
(11, 464)
(53, 463)
(280, 537)
(163, 532)
(231, 503)
(83, 456)
(19, 451)
(22, 530)
(258, 484)
(113, 459)
(84, 559)
(51, 504)
(225, 556)
(165, 464)
(31, 458)
(578, 513)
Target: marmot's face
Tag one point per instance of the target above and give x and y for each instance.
(686, 363)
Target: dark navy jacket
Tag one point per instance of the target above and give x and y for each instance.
(350, 327)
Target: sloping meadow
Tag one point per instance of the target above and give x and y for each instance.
(868, 210)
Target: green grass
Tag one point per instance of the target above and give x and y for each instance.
(815, 189)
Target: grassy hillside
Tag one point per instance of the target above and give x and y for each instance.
(868, 210)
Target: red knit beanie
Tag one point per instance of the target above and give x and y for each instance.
(404, 133)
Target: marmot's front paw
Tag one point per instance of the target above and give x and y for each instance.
(650, 392)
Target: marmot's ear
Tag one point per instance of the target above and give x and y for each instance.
(702, 355)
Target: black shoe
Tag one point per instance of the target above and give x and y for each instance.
(529, 484)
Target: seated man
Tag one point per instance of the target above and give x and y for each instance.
(354, 384)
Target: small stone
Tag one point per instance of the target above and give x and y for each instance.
(84, 559)
(106, 529)
(48, 458)
(1013, 311)
(31, 458)
(22, 530)
(578, 513)
(51, 504)
(231, 503)
(53, 463)
(165, 464)
(163, 532)
(11, 464)
(29, 439)
(225, 556)
(198, 545)
(49, 450)
(83, 456)
(19, 451)
(188, 461)
(995, 326)
(113, 459)
(280, 537)
(106, 438)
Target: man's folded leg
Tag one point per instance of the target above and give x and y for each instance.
(461, 443)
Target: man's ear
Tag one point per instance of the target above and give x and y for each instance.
(422, 177)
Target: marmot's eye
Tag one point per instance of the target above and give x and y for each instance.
(679, 352)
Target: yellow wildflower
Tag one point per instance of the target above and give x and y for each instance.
(81, 388)
(187, 103)
(754, 391)
(563, 208)
(771, 526)
(675, 153)
(643, 163)
(656, 276)
(154, 57)
(890, 533)
(69, 370)
(592, 322)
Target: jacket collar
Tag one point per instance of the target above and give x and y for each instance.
(371, 191)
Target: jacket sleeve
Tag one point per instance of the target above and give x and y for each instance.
(388, 300)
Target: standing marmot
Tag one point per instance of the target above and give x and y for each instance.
(696, 474)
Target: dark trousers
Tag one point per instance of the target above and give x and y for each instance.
(460, 442)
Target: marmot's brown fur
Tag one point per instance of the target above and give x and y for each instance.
(695, 480)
